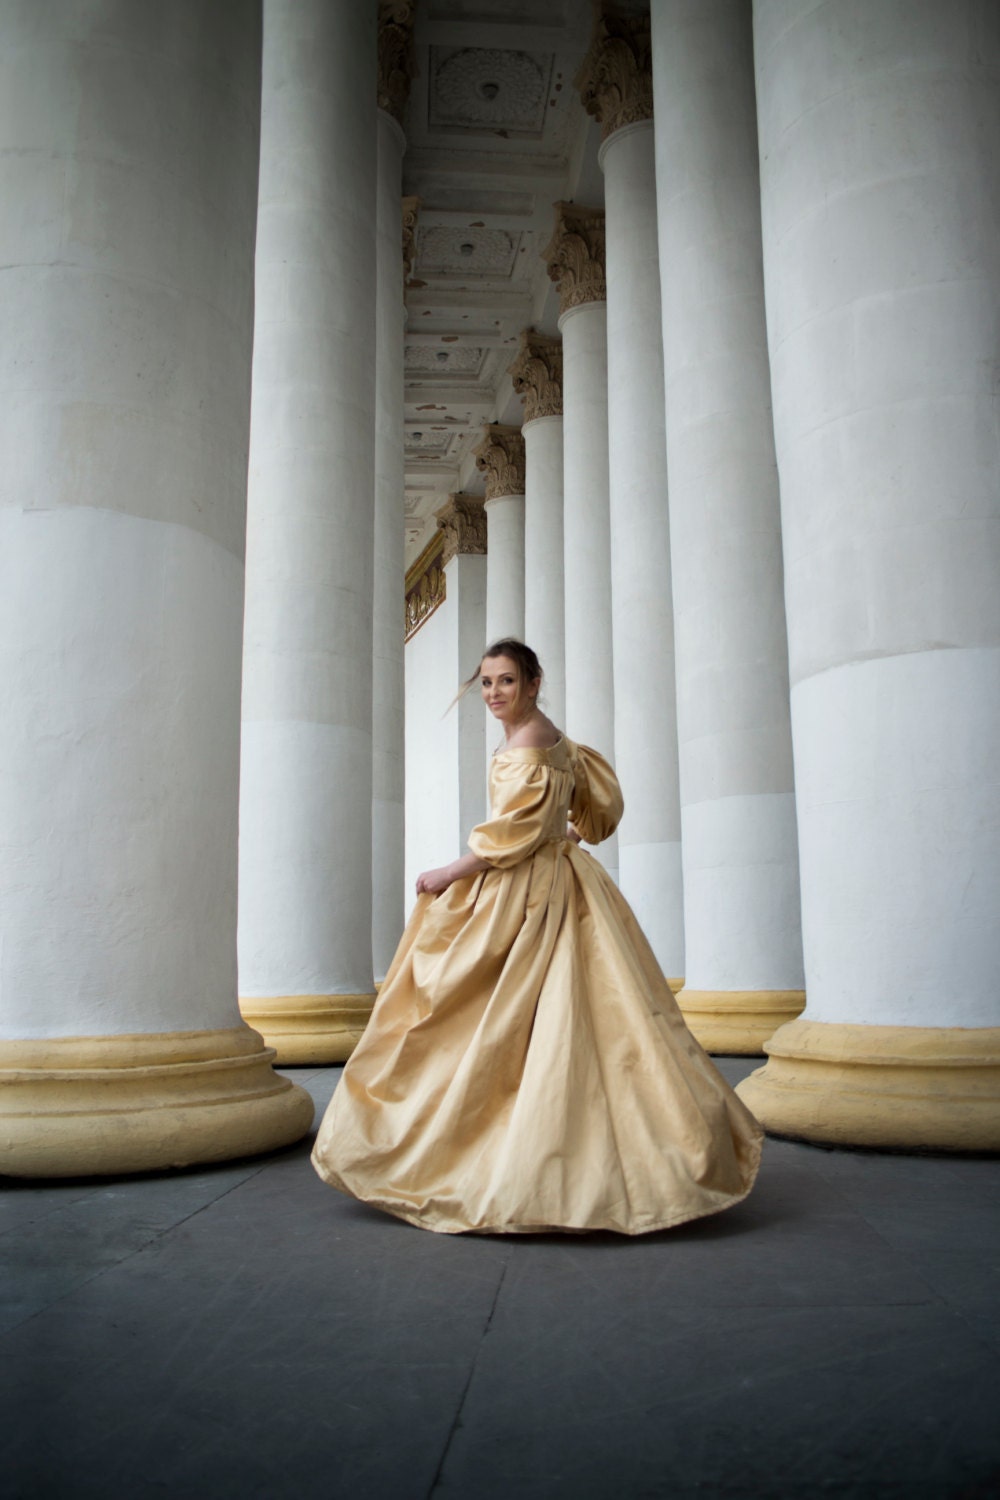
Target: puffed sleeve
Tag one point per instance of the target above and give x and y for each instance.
(597, 804)
(522, 795)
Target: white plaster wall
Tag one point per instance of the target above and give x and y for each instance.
(645, 699)
(590, 706)
(742, 919)
(880, 175)
(306, 799)
(505, 567)
(544, 607)
(445, 746)
(390, 569)
(127, 206)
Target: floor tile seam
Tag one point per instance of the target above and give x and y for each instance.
(453, 1428)
(131, 1254)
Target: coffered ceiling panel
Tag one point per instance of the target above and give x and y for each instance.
(495, 135)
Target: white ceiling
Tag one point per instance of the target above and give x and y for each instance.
(495, 135)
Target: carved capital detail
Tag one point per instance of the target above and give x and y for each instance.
(463, 521)
(500, 456)
(536, 375)
(411, 212)
(575, 255)
(396, 61)
(616, 76)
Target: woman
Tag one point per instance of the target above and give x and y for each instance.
(526, 1067)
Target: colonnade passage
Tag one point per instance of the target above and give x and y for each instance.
(340, 337)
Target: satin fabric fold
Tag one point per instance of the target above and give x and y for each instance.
(526, 1067)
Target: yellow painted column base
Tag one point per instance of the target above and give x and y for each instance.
(738, 1021)
(309, 1028)
(86, 1106)
(901, 1087)
(676, 985)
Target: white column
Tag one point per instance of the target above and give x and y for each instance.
(881, 237)
(127, 205)
(505, 567)
(741, 893)
(641, 606)
(575, 257)
(446, 741)
(536, 375)
(390, 567)
(305, 818)
(544, 607)
(500, 456)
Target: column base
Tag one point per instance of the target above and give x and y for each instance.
(738, 1022)
(309, 1028)
(917, 1088)
(106, 1105)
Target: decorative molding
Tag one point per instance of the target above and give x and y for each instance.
(536, 375)
(616, 76)
(411, 211)
(425, 585)
(462, 520)
(575, 255)
(488, 89)
(396, 59)
(500, 457)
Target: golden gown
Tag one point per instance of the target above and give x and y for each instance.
(526, 1067)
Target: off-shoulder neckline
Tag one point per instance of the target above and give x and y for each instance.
(531, 753)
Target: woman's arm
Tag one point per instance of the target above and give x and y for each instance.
(436, 881)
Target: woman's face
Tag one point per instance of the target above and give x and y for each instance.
(501, 689)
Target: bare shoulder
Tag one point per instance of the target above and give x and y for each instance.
(538, 734)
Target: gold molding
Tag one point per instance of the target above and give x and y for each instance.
(574, 255)
(537, 373)
(426, 586)
(615, 79)
(738, 1021)
(499, 457)
(309, 1028)
(462, 522)
(396, 58)
(923, 1088)
(107, 1105)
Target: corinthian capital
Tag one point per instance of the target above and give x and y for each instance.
(575, 255)
(396, 65)
(463, 520)
(616, 76)
(537, 375)
(500, 456)
(411, 210)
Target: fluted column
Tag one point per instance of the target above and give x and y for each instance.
(305, 817)
(741, 892)
(500, 458)
(395, 66)
(536, 375)
(575, 259)
(616, 86)
(126, 236)
(882, 277)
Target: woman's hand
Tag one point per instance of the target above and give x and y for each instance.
(433, 882)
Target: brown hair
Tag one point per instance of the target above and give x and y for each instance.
(528, 666)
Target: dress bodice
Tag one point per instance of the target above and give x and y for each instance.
(534, 793)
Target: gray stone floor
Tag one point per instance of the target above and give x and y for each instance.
(245, 1333)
